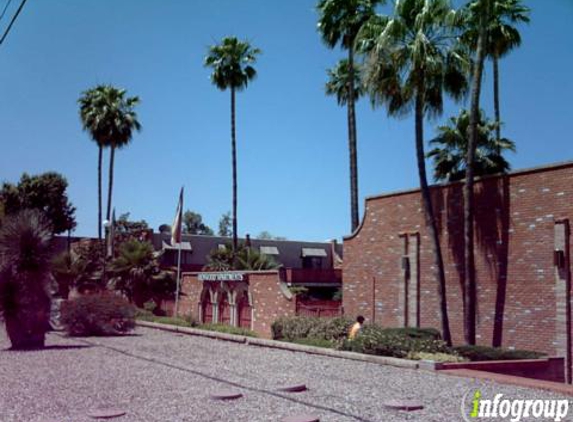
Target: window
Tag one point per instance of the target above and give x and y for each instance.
(312, 262)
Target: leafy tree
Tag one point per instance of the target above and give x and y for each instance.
(339, 23)
(193, 224)
(502, 38)
(109, 116)
(136, 272)
(25, 251)
(225, 225)
(265, 235)
(451, 145)
(247, 259)
(125, 229)
(232, 62)
(413, 57)
(164, 228)
(46, 193)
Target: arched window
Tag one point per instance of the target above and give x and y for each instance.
(224, 309)
(244, 310)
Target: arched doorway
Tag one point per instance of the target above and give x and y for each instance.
(245, 310)
(206, 307)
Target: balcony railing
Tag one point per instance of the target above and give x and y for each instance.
(313, 275)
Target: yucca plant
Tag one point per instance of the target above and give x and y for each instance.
(25, 252)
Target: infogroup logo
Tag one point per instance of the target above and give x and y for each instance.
(514, 410)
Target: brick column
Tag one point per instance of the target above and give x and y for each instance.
(563, 294)
(414, 280)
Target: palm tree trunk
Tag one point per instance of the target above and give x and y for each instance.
(352, 144)
(496, 101)
(110, 183)
(430, 218)
(234, 163)
(99, 191)
(469, 264)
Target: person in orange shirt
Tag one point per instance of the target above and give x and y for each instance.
(356, 327)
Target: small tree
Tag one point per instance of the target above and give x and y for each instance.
(193, 224)
(25, 251)
(44, 192)
(225, 224)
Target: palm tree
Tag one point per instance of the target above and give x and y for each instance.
(244, 259)
(503, 37)
(232, 62)
(338, 82)
(109, 117)
(451, 145)
(339, 23)
(136, 272)
(413, 58)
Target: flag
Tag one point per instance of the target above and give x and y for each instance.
(176, 227)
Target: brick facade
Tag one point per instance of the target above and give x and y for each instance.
(268, 299)
(523, 293)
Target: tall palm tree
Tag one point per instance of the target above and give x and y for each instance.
(338, 82)
(451, 145)
(413, 58)
(481, 10)
(110, 118)
(503, 37)
(232, 62)
(339, 23)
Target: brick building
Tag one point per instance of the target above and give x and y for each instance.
(253, 300)
(522, 253)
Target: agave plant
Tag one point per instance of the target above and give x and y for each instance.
(25, 252)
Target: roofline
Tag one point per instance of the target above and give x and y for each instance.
(230, 239)
(520, 172)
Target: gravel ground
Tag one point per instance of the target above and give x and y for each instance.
(160, 376)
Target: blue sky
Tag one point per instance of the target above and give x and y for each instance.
(292, 145)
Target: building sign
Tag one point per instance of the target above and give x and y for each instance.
(231, 276)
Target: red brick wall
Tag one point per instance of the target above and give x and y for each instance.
(515, 220)
(269, 300)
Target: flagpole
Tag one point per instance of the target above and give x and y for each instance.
(176, 235)
(178, 279)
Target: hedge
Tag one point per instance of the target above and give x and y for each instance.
(484, 353)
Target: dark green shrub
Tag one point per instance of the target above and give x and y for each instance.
(484, 353)
(100, 314)
(375, 340)
(294, 328)
(423, 333)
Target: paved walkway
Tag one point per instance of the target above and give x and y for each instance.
(160, 376)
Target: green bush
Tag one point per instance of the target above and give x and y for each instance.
(375, 340)
(295, 328)
(228, 329)
(100, 314)
(412, 332)
(484, 353)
